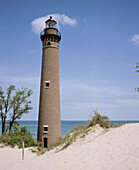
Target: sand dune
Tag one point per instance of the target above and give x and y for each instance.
(117, 149)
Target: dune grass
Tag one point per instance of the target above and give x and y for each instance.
(17, 136)
(80, 131)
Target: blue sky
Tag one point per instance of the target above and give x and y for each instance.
(98, 54)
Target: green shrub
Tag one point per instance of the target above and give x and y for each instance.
(18, 136)
(39, 150)
(103, 121)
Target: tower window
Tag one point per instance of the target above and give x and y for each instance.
(47, 84)
(45, 129)
(48, 43)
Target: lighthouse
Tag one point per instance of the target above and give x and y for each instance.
(49, 121)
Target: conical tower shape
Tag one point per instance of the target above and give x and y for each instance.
(49, 122)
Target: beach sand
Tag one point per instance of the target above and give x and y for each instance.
(117, 149)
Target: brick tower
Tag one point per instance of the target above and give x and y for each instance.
(49, 122)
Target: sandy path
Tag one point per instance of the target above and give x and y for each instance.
(118, 149)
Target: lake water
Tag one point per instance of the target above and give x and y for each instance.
(66, 126)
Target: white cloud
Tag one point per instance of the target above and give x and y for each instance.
(39, 23)
(135, 39)
(88, 105)
(20, 80)
(76, 86)
(82, 96)
(129, 102)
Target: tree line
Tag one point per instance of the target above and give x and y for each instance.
(13, 104)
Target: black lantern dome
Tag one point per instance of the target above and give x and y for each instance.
(50, 23)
